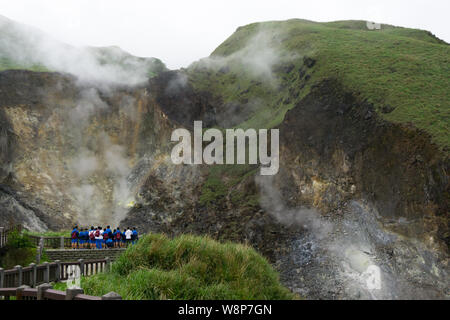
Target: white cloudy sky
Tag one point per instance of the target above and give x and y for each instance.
(180, 32)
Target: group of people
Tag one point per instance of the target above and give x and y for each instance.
(103, 238)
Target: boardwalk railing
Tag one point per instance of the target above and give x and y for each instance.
(60, 242)
(49, 242)
(52, 242)
(34, 275)
(45, 292)
(32, 282)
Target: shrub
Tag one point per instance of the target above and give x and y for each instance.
(188, 267)
(18, 240)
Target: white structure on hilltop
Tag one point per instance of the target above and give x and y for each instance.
(373, 25)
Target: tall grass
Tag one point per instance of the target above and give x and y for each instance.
(188, 267)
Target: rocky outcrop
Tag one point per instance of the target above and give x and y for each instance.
(74, 152)
(381, 194)
(180, 102)
(335, 148)
(354, 193)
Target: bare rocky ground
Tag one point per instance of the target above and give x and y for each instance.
(358, 259)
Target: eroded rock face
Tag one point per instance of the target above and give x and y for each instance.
(68, 149)
(180, 102)
(355, 196)
(358, 209)
(337, 149)
(380, 194)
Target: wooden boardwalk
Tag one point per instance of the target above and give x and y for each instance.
(33, 282)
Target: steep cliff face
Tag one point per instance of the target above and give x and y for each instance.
(382, 191)
(69, 150)
(336, 148)
(354, 192)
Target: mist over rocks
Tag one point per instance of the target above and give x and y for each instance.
(21, 45)
(77, 143)
(180, 101)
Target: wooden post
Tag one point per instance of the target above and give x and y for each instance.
(2, 243)
(19, 275)
(71, 293)
(108, 264)
(19, 292)
(2, 278)
(111, 296)
(58, 270)
(38, 255)
(61, 242)
(41, 290)
(39, 250)
(81, 262)
(33, 275)
(47, 272)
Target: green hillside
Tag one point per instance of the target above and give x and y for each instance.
(116, 56)
(403, 72)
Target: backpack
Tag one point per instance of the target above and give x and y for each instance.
(97, 233)
(105, 236)
(91, 235)
(74, 235)
(118, 235)
(110, 235)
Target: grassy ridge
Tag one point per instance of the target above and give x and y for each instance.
(7, 64)
(188, 267)
(403, 72)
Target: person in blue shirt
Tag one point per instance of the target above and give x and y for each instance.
(85, 238)
(123, 240)
(81, 239)
(74, 236)
(106, 235)
(117, 237)
(134, 236)
(91, 238)
(109, 243)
